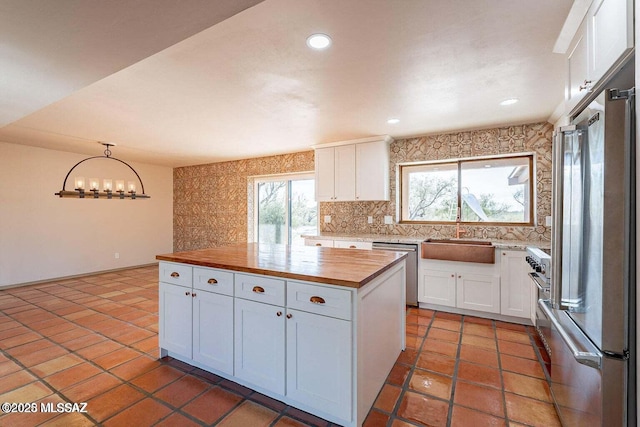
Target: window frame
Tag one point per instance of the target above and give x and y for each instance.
(294, 176)
(402, 170)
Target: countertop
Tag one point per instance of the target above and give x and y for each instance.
(500, 244)
(343, 267)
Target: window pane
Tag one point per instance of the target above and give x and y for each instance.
(272, 210)
(304, 210)
(495, 190)
(432, 192)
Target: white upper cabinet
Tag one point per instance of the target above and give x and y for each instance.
(600, 44)
(345, 173)
(578, 82)
(372, 171)
(611, 25)
(353, 170)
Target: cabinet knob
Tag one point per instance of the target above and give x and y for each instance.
(187, 293)
(352, 246)
(279, 314)
(175, 274)
(317, 300)
(318, 244)
(258, 289)
(289, 315)
(459, 277)
(504, 253)
(212, 281)
(453, 275)
(193, 295)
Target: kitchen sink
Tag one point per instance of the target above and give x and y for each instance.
(459, 250)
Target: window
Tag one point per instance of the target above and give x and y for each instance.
(487, 190)
(285, 209)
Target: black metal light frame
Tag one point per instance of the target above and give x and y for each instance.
(80, 193)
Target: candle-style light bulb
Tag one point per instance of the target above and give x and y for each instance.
(120, 185)
(107, 185)
(132, 187)
(94, 184)
(79, 183)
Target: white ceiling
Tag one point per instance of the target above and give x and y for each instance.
(191, 82)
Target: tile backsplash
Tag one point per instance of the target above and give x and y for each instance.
(212, 203)
(351, 217)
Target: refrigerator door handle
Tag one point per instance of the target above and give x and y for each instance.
(591, 357)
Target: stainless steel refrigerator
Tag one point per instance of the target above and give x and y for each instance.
(592, 306)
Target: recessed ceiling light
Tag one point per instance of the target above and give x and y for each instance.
(318, 41)
(509, 101)
(393, 121)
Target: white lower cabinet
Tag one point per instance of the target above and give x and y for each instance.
(303, 352)
(463, 285)
(175, 319)
(186, 316)
(516, 285)
(260, 344)
(319, 355)
(439, 287)
(479, 292)
(213, 346)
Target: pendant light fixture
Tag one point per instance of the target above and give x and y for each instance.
(107, 191)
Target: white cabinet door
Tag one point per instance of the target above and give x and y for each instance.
(325, 174)
(372, 171)
(175, 314)
(611, 30)
(213, 330)
(515, 286)
(259, 344)
(345, 173)
(478, 292)
(319, 372)
(438, 287)
(578, 80)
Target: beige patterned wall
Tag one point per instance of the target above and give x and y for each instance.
(351, 217)
(212, 203)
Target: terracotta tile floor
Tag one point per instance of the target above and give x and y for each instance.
(94, 339)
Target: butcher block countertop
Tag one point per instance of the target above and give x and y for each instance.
(334, 266)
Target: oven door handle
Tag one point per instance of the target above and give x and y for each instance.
(590, 357)
(536, 279)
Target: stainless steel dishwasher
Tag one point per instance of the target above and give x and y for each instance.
(411, 266)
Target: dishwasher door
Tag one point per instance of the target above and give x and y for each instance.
(411, 266)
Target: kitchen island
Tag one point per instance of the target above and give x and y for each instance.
(317, 328)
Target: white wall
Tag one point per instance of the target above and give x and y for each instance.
(43, 236)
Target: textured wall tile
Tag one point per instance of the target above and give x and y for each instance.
(213, 203)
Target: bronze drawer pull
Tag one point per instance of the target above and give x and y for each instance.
(187, 293)
(317, 300)
(175, 274)
(318, 244)
(212, 281)
(352, 247)
(279, 313)
(289, 315)
(258, 289)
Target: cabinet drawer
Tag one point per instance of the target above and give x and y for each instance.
(213, 280)
(352, 245)
(319, 242)
(178, 274)
(331, 302)
(260, 289)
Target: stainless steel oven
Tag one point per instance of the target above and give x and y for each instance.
(540, 275)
